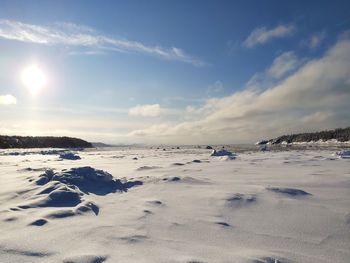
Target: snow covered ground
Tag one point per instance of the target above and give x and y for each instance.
(178, 205)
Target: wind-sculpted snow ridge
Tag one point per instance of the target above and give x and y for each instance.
(144, 168)
(288, 191)
(69, 156)
(185, 179)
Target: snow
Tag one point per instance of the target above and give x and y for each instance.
(178, 205)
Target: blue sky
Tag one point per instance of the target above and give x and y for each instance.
(174, 71)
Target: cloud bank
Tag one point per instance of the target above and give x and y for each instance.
(81, 36)
(152, 110)
(263, 35)
(314, 96)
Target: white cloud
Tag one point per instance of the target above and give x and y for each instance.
(152, 110)
(283, 64)
(7, 99)
(263, 35)
(81, 36)
(88, 53)
(314, 97)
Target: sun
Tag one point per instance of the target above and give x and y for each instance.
(34, 79)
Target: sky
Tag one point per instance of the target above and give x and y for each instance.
(173, 72)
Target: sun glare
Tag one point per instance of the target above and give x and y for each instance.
(34, 79)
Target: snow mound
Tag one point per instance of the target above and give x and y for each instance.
(223, 152)
(264, 148)
(69, 156)
(80, 175)
(83, 208)
(345, 154)
(262, 142)
(87, 180)
(69, 187)
(270, 260)
(240, 200)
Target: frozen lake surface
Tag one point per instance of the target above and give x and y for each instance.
(178, 205)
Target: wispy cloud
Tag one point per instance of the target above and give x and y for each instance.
(75, 35)
(7, 99)
(316, 39)
(87, 53)
(152, 110)
(216, 87)
(315, 96)
(263, 35)
(283, 64)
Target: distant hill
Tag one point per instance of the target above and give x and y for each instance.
(7, 142)
(101, 144)
(340, 135)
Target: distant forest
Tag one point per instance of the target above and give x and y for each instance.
(7, 142)
(341, 135)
